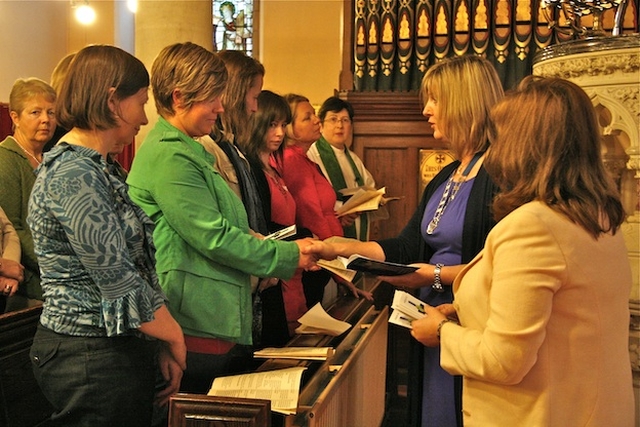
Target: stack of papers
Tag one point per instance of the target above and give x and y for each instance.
(281, 387)
(307, 353)
(406, 309)
(317, 321)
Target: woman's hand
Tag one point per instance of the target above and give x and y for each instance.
(11, 269)
(425, 329)
(421, 277)
(317, 249)
(8, 287)
(171, 372)
(347, 220)
(353, 289)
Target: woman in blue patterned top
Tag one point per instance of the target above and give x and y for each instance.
(92, 354)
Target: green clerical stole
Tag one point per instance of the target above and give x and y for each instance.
(331, 165)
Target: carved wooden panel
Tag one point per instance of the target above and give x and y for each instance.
(197, 410)
(388, 133)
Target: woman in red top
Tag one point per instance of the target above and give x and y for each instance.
(314, 195)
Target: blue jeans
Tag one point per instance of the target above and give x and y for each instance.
(93, 381)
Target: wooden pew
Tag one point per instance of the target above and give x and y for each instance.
(198, 410)
(21, 401)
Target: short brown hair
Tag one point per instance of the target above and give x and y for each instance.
(199, 74)
(545, 146)
(465, 87)
(24, 90)
(84, 95)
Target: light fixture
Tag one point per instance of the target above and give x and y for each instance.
(132, 5)
(84, 13)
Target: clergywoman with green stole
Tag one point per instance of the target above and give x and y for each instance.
(341, 166)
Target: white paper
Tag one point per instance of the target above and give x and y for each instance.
(317, 321)
(406, 308)
(281, 387)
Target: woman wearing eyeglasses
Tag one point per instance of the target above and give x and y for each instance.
(342, 167)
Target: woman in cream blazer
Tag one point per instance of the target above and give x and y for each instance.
(540, 320)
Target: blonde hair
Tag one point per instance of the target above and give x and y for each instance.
(199, 74)
(60, 72)
(293, 100)
(465, 88)
(24, 90)
(545, 146)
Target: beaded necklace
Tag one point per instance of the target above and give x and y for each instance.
(27, 153)
(448, 195)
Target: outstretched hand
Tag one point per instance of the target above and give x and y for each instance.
(421, 277)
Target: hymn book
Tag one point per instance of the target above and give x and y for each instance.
(363, 199)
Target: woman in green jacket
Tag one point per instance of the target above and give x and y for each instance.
(205, 249)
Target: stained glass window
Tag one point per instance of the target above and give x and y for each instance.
(233, 25)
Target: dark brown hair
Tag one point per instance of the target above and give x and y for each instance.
(545, 146)
(242, 70)
(271, 108)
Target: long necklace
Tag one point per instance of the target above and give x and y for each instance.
(28, 153)
(448, 195)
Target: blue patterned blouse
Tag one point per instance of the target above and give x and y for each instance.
(94, 246)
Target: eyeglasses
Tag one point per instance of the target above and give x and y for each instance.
(334, 121)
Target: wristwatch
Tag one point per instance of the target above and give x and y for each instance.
(437, 284)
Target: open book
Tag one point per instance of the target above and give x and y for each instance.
(281, 387)
(406, 309)
(362, 200)
(317, 321)
(338, 267)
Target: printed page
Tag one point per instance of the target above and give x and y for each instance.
(281, 387)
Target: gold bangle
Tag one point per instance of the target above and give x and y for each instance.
(442, 322)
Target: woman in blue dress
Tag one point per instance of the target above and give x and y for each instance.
(450, 225)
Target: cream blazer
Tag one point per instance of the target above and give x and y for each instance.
(545, 326)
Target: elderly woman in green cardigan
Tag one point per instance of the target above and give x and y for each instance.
(32, 105)
(206, 252)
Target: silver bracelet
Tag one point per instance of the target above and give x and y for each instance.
(437, 283)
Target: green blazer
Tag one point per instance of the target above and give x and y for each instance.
(205, 253)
